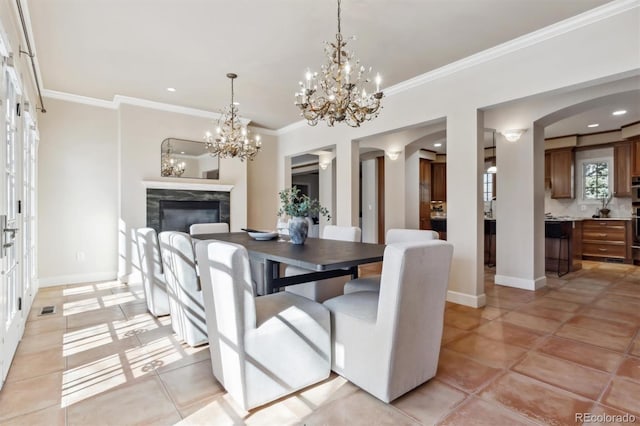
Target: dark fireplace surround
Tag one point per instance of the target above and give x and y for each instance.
(177, 209)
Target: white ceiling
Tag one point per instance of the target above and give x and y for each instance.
(102, 48)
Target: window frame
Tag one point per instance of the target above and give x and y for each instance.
(610, 171)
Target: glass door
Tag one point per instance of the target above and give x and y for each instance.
(28, 207)
(12, 322)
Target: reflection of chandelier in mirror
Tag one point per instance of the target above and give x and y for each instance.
(169, 165)
(232, 137)
(340, 93)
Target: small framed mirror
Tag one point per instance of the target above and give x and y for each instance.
(187, 159)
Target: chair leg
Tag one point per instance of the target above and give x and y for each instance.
(560, 253)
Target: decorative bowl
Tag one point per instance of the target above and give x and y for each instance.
(263, 236)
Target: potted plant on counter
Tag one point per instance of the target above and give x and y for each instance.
(604, 211)
(298, 207)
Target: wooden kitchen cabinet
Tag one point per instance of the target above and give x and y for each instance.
(547, 170)
(562, 172)
(604, 239)
(439, 181)
(622, 170)
(425, 194)
(635, 156)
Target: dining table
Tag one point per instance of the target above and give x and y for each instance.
(322, 257)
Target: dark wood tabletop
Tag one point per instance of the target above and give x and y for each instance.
(323, 258)
(315, 254)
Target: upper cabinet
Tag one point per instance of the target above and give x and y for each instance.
(635, 156)
(425, 194)
(439, 181)
(547, 170)
(561, 162)
(622, 170)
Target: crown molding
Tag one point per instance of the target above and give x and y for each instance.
(79, 99)
(119, 100)
(554, 30)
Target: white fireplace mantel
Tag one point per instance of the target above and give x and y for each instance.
(189, 184)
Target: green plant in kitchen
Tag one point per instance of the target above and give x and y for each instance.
(296, 204)
(604, 211)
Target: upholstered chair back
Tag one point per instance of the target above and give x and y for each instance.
(229, 306)
(261, 348)
(153, 281)
(185, 297)
(410, 315)
(342, 233)
(208, 228)
(408, 235)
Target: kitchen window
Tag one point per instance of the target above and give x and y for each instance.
(595, 180)
(488, 186)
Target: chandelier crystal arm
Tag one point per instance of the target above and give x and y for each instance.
(339, 94)
(232, 139)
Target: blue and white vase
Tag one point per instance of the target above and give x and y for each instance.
(298, 230)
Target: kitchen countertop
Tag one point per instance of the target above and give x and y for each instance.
(555, 219)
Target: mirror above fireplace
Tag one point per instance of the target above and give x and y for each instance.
(187, 159)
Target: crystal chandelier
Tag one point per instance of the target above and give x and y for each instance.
(171, 167)
(340, 92)
(232, 137)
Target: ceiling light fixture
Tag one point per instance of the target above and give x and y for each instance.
(593, 125)
(512, 135)
(232, 137)
(437, 145)
(340, 93)
(619, 112)
(393, 155)
(171, 89)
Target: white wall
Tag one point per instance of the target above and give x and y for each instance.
(262, 186)
(539, 65)
(78, 193)
(93, 161)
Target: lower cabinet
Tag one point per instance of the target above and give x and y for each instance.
(606, 239)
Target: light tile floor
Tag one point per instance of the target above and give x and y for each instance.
(526, 358)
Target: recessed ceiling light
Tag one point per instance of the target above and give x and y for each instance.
(181, 152)
(619, 112)
(437, 145)
(593, 125)
(171, 89)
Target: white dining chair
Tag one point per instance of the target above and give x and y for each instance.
(153, 280)
(183, 285)
(393, 236)
(332, 287)
(388, 342)
(208, 228)
(262, 348)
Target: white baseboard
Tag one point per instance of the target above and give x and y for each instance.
(467, 299)
(521, 283)
(76, 279)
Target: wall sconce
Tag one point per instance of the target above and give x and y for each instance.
(513, 135)
(393, 155)
(323, 165)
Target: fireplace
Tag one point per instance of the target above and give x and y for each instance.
(177, 209)
(180, 215)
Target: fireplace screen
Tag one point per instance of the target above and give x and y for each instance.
(180, 215)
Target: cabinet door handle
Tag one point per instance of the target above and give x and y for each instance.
(602, 249)
(603, 235)
(603, 223)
